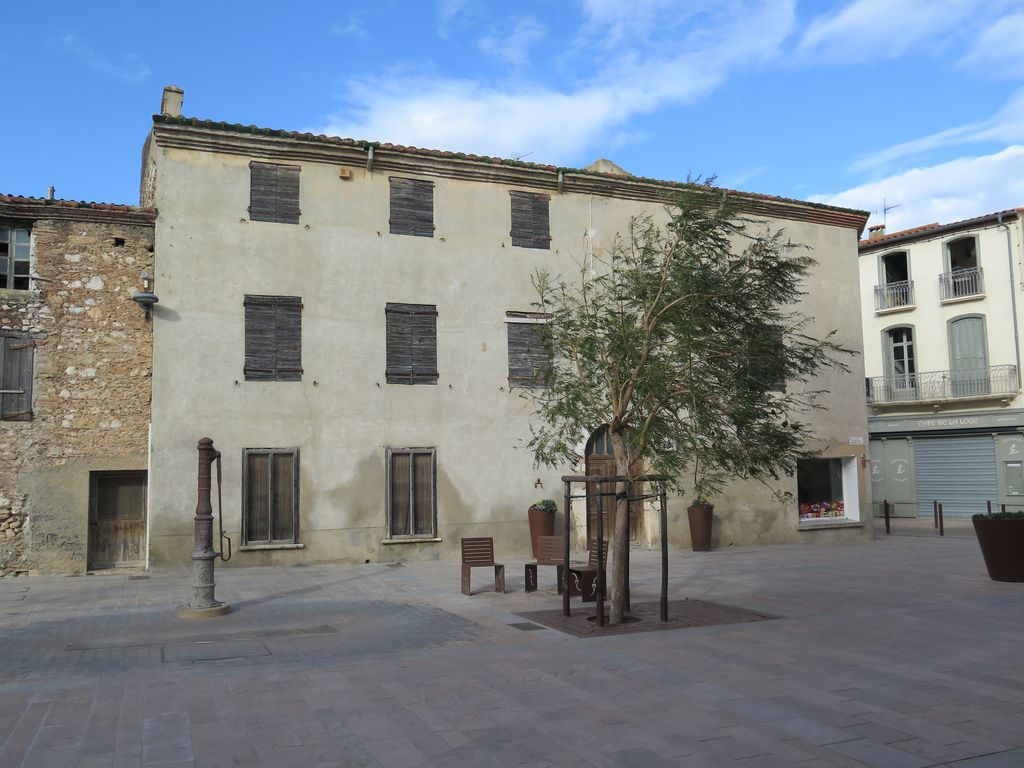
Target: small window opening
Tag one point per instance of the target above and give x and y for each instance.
(895, 267)
(119, 242)
(820, 488)
(963, 254)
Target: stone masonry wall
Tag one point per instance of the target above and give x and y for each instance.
(92, 377)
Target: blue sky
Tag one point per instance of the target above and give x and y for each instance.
(916, 102)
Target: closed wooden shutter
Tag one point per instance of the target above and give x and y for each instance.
(274, 192)
(528, 356)
(411, 343)
(411, 492)
(531, 227)
(271, 495)
(412, 207)
(273, 338)
(17, 356)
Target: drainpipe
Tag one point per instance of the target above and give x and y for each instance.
(1013, 292)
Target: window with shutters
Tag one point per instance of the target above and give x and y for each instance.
(412, 493)
(17, 356)
(412, 207)
(15, 250)
(529, 357)
(273, 338)
(530, 223)
(270, 497)
(411, 343)
(274, 192)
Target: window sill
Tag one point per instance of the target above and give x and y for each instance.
(894, 310)
(258, 547)
(961, 299)
(423, 540)
(817, 524)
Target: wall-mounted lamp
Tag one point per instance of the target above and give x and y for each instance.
(145, 298)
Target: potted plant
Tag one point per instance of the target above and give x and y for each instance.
(542, 520)
(1001, 538)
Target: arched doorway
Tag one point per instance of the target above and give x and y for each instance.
(599, 459)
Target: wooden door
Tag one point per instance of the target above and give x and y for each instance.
(117, 519)
(600, 460)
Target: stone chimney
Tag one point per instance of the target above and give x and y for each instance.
(876, 231)
(170, 104)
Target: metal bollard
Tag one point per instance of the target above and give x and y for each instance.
(942, 531)
(885, 510)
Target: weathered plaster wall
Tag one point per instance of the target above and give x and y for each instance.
(91, 386)
(342, 416)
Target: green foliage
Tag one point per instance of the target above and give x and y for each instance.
(548, 505)
(1001, 516)
(678, 340)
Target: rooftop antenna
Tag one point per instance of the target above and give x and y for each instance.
(886, 208)
(520, 157)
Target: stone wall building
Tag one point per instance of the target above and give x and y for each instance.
(76, 360)
(359, 315)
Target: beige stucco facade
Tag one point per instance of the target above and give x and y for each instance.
(947, 418)
(345, 265)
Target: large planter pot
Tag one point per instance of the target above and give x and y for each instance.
(542, 523)
(700, 526)
(1002, 545)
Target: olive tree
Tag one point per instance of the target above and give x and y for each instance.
(685, 342)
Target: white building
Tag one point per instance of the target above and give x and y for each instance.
(351, 323)
(941, 308)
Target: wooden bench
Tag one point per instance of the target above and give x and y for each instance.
(583, 578)
(550, 551)
(479, 553)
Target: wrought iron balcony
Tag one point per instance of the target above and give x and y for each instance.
(961, 283)
(893, 295)
(998, 380)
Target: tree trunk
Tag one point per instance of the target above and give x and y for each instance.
(620, 539)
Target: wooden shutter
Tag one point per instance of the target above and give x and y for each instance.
(528, 357)
(273, 338)
(412, 207)
(271, 495)
(531, 226)
(274, 192)
(17, 355)
(411, 343)
(411, 492)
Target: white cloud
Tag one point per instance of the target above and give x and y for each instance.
(351, 28)
(999, 49)
(868, 30)
(514, 47)
(130, 69)
(950, 191)
(1006, 126)
(559, 125)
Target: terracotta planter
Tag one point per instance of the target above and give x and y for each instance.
(542, 523)
(700, 526)
(1002, 546)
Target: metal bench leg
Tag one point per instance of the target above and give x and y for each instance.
(465, 580)
(531, 577)
(560, 576)
(499, 579)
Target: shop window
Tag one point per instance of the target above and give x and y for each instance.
(820, 488)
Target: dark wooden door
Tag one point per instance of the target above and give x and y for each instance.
(117, 519)
(605, 465)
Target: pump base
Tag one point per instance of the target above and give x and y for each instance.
(188, 612)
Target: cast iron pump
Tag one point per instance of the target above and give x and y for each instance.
(204, 602)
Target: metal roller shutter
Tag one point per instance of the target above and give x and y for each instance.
(959, 472)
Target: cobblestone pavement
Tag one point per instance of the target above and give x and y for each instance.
(899, 653)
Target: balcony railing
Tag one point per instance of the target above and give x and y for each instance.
(892, 295)
(960, 283)
(943, 385)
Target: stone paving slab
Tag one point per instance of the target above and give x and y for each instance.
(898, 652)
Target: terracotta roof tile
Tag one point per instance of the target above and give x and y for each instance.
(928, 230)
(57, 203)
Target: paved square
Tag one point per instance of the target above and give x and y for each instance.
(895, 654)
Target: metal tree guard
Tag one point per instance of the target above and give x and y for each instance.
(601, 481)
